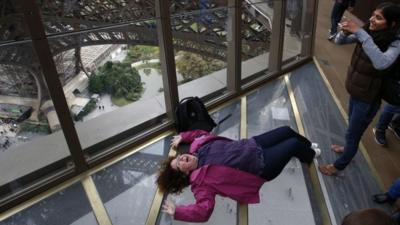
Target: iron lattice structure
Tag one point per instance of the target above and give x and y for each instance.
(197, 26)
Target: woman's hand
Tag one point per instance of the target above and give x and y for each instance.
(168, 207)
(176, 140)
(349, 26)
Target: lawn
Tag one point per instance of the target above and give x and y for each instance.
(120, 101)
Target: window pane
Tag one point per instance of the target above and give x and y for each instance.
(293, 29)
(67, 207)
(256, 36)
(12, 25)
(111, 78)
(30, 135)
(199, 30)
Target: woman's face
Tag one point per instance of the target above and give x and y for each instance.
(184, 163)
(377, 21)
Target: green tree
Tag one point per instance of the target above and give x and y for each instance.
(118, 79)
(96, 84)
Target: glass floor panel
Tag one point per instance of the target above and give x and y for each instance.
(67, 207)
(323, 123)
(268, 108)
(128, 187)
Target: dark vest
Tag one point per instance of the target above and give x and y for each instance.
(346, 3)
(363, 81)
(394, 70)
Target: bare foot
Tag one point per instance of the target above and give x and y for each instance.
(328, 169)
(337, 148)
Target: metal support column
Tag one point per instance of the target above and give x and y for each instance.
(234, 61)
(277, 39)
(40, 43)
(167, 59)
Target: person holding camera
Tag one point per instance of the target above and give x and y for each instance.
(378, 47)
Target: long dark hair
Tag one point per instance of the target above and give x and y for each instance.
(383, 38)
(170, 180)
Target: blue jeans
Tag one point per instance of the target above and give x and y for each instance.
(336, 15)
(279, 146)
(387, 116)
(394, 190)
(360, 116)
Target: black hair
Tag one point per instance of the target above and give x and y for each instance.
(170, 180)
(383, 38)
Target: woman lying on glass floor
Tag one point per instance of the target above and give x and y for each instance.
(229, 168)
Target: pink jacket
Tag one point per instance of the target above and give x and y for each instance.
(207, 181)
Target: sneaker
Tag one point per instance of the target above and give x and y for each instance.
(379, 135)
(314, 146)
(395, 130)
(383, 198)
(331, 36)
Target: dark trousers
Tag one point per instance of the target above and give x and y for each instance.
(396, 121)
(388, 115)
(279, 146)
(360, 116)
(336, 15)
(394, 190)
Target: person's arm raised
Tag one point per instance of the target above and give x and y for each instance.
(176, 140)
(380, 60)
(168, 207)
(198, 212)
(345, 36)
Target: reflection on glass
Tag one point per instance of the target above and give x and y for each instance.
(199, 31)
(111, 78)
(293, 29)
(256, 36)
(29, 126)
(12, 25)
(67, 207)
(127, 188)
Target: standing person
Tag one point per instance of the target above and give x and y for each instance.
(390, 118)
(339, 7)
(235, 169)
(294, 11)
(378, 47)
